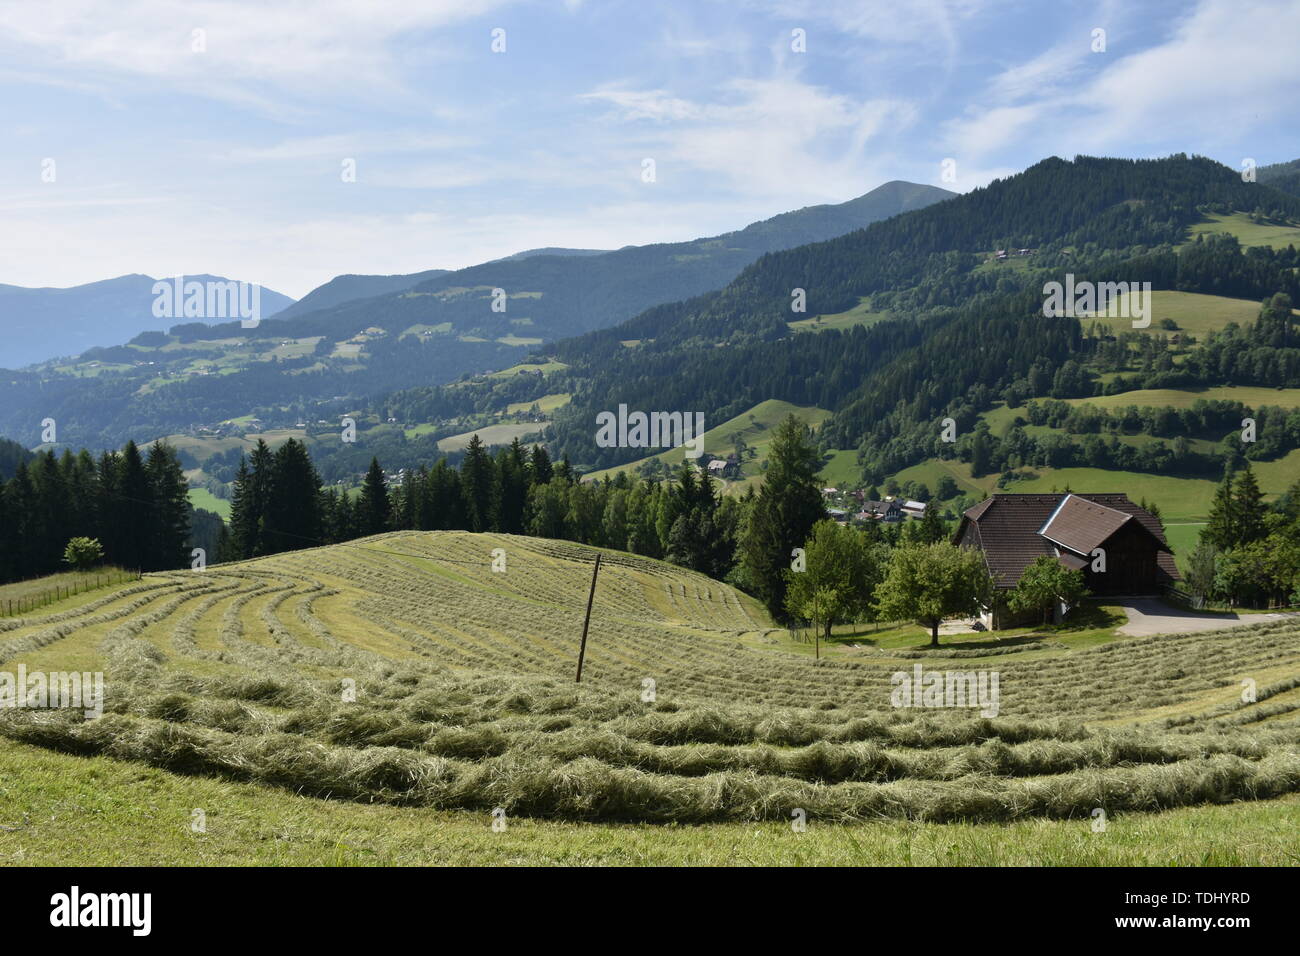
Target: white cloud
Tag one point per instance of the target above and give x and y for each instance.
(777, 136)
(1223, 72)
(300, 47)
(337, 145)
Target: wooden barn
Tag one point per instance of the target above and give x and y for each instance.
(1119, 547)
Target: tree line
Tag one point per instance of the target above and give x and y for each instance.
(1248, 554)
(135, 505)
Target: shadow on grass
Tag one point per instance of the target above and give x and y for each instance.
(1015, 641)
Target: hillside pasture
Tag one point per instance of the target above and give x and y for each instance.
(465, 699)
(860, 314)
(500, 434)
(1249, 395)
(1248, 233)
(1192, 312)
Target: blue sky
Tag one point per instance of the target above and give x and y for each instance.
(228, 159)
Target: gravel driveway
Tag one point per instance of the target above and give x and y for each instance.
(1149, 616)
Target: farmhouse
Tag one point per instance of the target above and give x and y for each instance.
(1119, 547)
(728, 467)
(913, 509)
(890, 510)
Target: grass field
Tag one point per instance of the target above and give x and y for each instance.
(1183, 538)
(502, 434)
(1253, 396)
(755, 426)
(860, 314)
(842, 469)
(202, 498)
(546, 404)
(1249, 233)
(1180, 499)
(44, 592)
(204, 448)
(1193, 312)
(544, 368)
(229, 691)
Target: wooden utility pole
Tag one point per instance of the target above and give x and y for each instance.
(582, 648)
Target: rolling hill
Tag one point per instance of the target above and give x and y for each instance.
(403, 671)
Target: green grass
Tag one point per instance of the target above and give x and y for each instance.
(1248, 233)
(929, 472)
(546, 404)
(513, 339)
(1193, 312)
(202, 498)
(1253, 396)
(502, 434)
(842, 469)
(441, 328)
(544, 368)
(860, 314)
(1178, 498)
(81, 809)
(1183, 539)
(81, 581)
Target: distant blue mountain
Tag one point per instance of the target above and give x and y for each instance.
(41, 324)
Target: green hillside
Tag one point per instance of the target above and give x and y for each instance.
(490, 435)
(1272, 234)
(860, 314)
(754, 426)
(1184, 398)
(1193, 312)
(360, 337)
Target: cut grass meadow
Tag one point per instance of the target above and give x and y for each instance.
(227, 690)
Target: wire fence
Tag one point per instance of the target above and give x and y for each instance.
(26, 603)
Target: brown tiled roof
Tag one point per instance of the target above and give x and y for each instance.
(1081, 525)
(1007, 529)
(1072, 561)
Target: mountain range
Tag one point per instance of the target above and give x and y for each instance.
(42, 323)
(358, 336)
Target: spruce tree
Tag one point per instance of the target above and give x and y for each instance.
(375, 508)
(1248, 508)
(293, 518)
(539, 466)
(931, 528)
(170, 526)
(787, 507)
(243, 518)
(510, 494)
(135, 502)
(1220, 530)
(476, 481)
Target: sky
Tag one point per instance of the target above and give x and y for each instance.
(145, 136)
